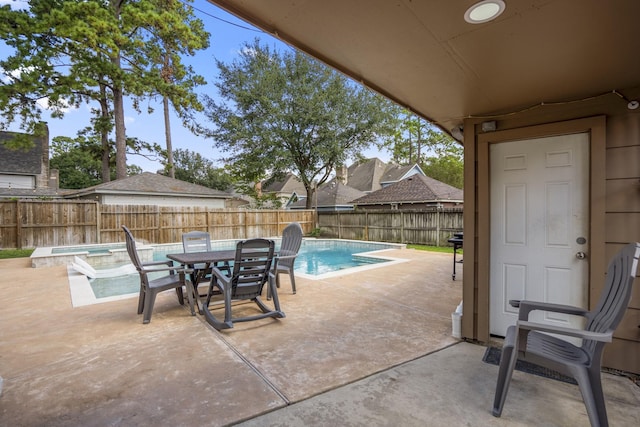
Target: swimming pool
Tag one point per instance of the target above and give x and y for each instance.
(317, 259)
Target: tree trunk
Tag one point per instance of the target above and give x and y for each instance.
(311, 197)
(167, 134)
(104, 135)
(118, 110)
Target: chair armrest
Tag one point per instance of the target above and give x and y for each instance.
(571, 332)
(170, 268)
(218, 274)
(527, 307)
(167, 262)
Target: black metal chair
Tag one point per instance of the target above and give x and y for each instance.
(149, 288)
(529, 341)
(251, 271)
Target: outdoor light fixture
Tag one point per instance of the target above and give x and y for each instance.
(484, 11)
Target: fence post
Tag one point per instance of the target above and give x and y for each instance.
(18, 225)
(438, 210)
(401, 227)
(98, 222)
(366, 226)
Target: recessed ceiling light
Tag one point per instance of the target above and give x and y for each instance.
(484, 11)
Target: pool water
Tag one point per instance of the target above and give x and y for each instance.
(316, 259)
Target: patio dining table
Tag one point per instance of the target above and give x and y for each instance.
(208, 258)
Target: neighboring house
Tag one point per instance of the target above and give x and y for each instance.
(549, 121)
(331, 196)
(369, 175)
(26, 173)
(415, 192)
(290, 187)
(152, 189)
(396, 173)
(365, 175)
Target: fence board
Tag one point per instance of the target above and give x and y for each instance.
(426, 226)
(29, 224)
(33, 223)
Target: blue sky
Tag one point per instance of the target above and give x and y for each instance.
(228, 34)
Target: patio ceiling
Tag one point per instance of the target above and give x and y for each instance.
(425, 56)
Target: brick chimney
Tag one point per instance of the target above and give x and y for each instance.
(342, 174)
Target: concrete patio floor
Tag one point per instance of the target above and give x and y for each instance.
(372, 348)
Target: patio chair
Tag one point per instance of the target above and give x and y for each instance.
(251, 271)
(529, 341)
(199, 241)
(149, 288)
(291, 241)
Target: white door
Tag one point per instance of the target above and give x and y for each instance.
(539, 223)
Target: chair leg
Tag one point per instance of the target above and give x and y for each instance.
(141, 300)
(180, 295)
(505, 371)
(149, 300)
(590, 384)
(293, 280)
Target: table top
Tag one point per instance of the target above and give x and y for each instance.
(190, 258)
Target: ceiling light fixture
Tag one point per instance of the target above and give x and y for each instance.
(484, 11)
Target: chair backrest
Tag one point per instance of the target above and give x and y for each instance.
(131, 249)
(290, 245)
(251, 267)
(616, 294)
(196, 241)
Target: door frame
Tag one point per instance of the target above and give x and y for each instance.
(596, 128)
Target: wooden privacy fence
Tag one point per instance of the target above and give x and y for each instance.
(430, 226)
(37, 223)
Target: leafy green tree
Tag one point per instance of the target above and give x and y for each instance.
(448, 168)
(79, 160)
(74, 51)
(76, 162)
(193, 167)
(418, 141)
(283, 112)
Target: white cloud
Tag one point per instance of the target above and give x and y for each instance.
(129, 119)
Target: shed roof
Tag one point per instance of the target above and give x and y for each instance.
(151, 183)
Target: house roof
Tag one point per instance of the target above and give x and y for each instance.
(414, 189)
(332, 193)
(24, 162)
(426, 57)
(289, 184)
(395, 173)
(33, 193)
(151, 183)
(365, 175)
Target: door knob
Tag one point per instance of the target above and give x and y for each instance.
(581, 255)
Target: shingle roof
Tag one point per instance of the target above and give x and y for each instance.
(20, 161)
(416, 188)
(289, 184)
(333, 193)
(395, 172)
(32, 193)
(365, 175)
(148, 182)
